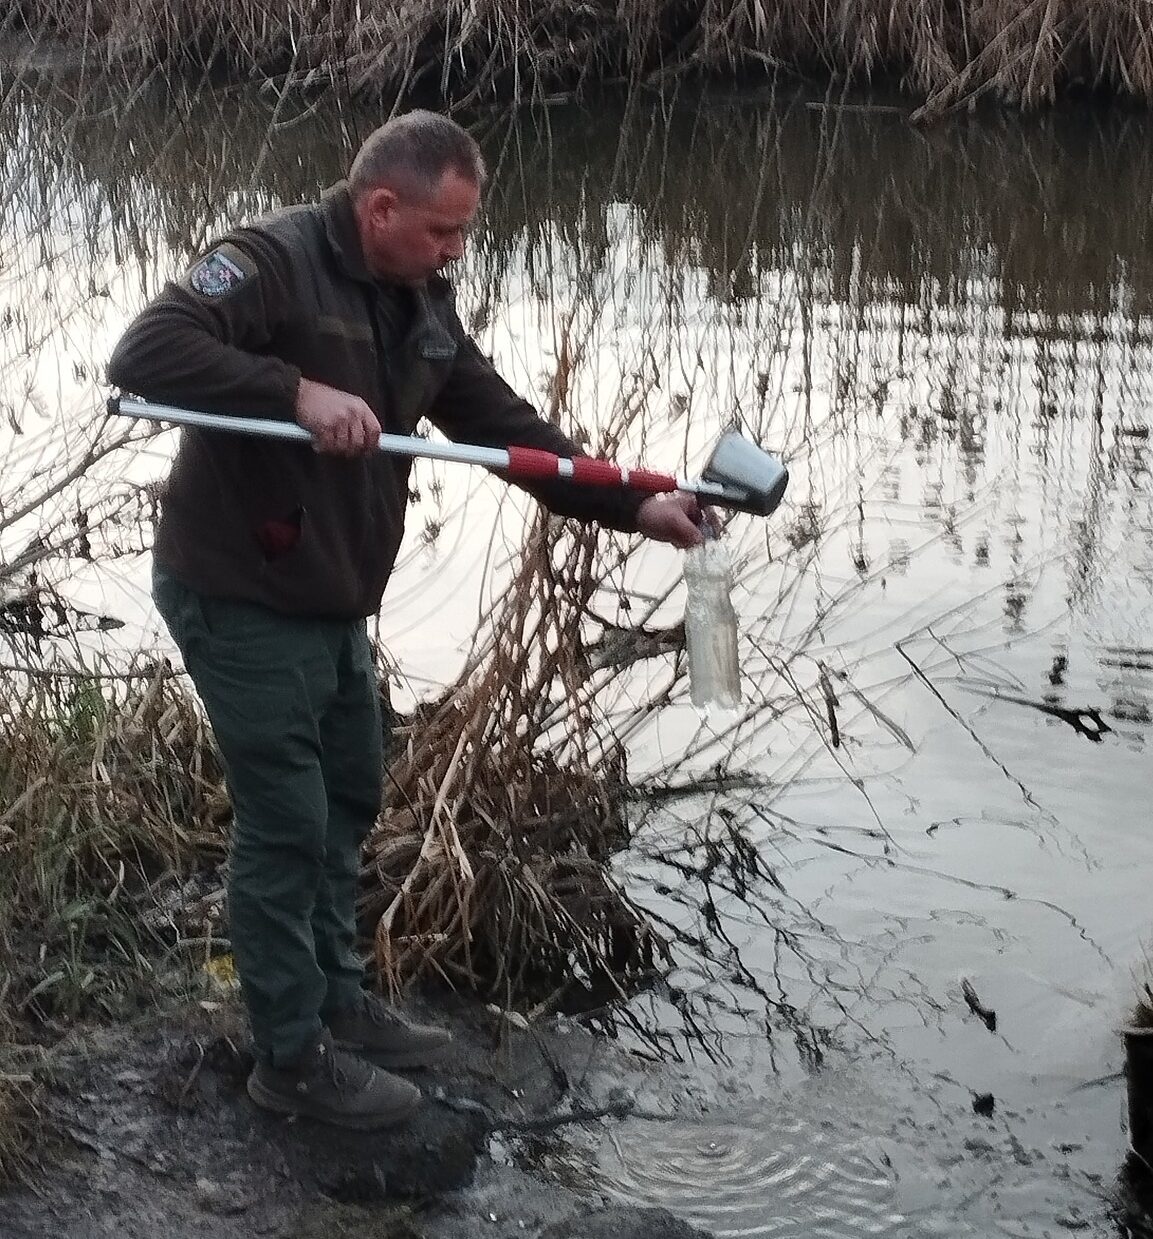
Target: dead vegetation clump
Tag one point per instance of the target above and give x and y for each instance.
(490, 867)
(1023, 52)
(110, 805)
(112, 801)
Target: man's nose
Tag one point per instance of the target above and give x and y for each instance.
(453, 249)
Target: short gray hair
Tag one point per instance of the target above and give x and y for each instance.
(411, 153)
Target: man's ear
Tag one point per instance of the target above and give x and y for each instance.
(378, 203)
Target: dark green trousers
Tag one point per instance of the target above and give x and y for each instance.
(295, 709)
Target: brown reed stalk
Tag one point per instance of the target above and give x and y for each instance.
(490, 864)
(1024, 52)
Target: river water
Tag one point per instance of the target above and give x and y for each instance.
(939, 782)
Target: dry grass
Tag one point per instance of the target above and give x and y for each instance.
(489, 868)
(111, 803)
(1022, 51)
(112, 799)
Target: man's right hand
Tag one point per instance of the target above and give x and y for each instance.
(339, 422)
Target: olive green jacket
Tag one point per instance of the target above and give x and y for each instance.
(274, 522)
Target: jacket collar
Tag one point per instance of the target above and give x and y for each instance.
(344, 237)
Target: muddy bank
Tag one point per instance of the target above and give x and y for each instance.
(150, 1133)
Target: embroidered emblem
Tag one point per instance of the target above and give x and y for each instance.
(438, 346)
(434, 340)
(216, 275)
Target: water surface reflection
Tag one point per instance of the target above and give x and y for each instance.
(943, 773)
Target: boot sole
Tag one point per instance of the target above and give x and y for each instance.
(412, 1061)
(266, 1099)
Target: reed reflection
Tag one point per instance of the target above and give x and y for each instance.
(962, 290)
(948, 332)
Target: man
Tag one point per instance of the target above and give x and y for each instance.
(270, 555)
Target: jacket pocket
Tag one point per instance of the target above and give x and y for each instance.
(334, 325)
(279, 535)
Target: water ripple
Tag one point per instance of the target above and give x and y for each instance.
(785, 1178)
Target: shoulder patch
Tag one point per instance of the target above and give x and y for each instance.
(220, 272)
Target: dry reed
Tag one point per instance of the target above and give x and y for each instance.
(490, 866)
(1023, 52)
(112, 799)
(110, 803)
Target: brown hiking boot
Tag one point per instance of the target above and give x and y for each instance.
(330, 1085)
(379, 1032)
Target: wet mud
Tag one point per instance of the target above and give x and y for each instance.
(149, 1131)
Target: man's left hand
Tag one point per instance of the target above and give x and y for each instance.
(674, 518)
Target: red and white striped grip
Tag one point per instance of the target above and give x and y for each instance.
(530, 462)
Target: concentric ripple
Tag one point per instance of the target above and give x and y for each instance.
(781, 1176)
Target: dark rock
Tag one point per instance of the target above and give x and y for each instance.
(435, 1152)
(984, 1104)
(623, 1222)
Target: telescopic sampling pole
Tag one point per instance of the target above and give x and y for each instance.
(739, 474)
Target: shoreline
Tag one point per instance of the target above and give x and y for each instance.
(1024, 59)
(149, 1132)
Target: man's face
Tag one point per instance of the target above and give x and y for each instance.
(409, 238)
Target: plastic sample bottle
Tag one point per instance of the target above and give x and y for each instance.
(711, 625)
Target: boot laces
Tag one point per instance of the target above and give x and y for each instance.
(347, 1073)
